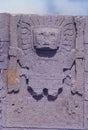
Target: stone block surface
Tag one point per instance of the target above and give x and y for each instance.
(43, 72)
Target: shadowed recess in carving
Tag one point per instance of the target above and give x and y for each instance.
(54, 97)
(45, 93)
(63, 81)
(76, 93)
(13, 91)
(9, 56)
(24, 67)
(27, 80)
(66, 69)
(45, 52)
(36, 96)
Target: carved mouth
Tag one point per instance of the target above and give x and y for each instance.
(46, 52)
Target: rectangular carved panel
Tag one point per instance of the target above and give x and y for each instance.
(44, 73)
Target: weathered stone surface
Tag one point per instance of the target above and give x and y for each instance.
(43, 72)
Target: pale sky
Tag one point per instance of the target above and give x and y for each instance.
(64, 7)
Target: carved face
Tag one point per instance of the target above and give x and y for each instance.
(46, 38)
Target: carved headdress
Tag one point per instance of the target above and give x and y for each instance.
(53, 23)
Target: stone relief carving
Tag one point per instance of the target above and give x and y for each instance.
(46, 43)
(44, 71)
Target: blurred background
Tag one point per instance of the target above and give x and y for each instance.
(62, 7)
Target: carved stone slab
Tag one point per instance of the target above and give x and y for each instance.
(44, 72)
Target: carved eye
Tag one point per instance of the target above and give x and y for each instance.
(52, 34)
(41, 33)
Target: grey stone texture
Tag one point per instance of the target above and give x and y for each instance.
(43, 72)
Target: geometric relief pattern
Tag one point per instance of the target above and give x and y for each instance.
(43, 72)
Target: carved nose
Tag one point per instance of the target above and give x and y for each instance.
(46, 36)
